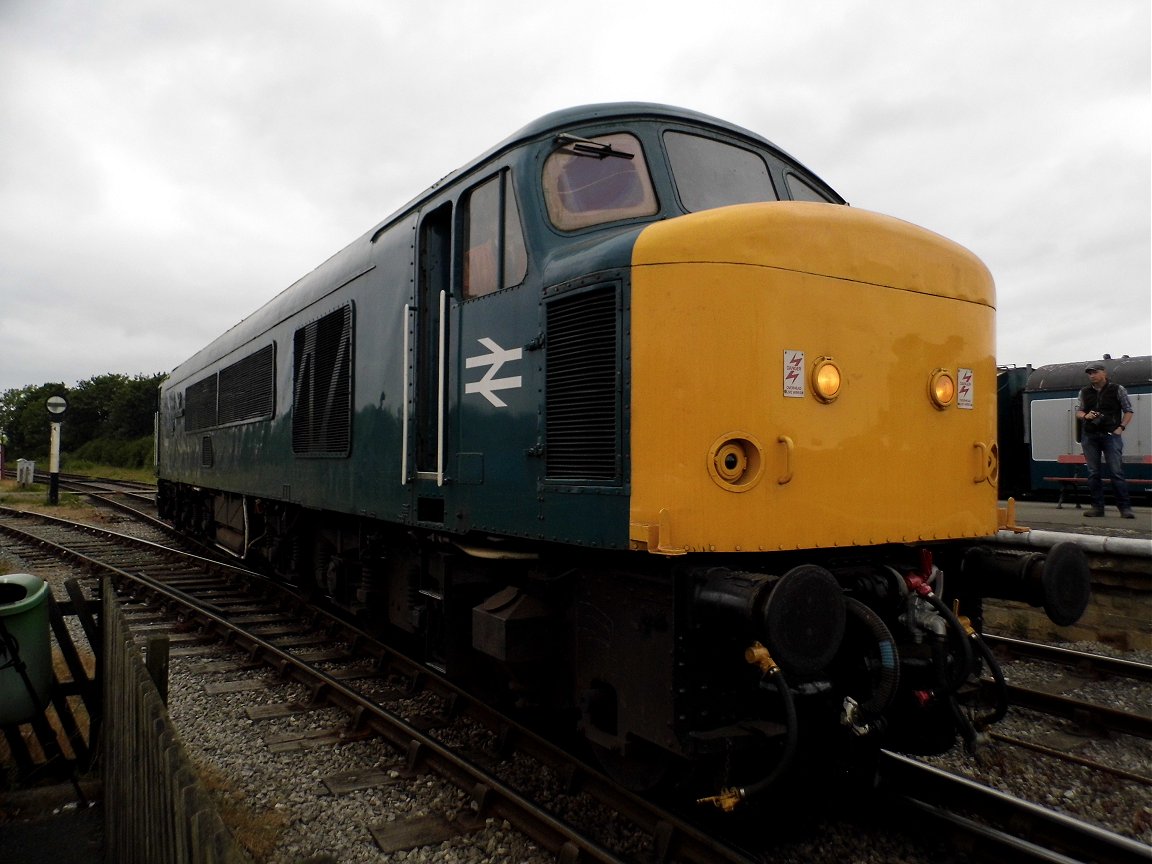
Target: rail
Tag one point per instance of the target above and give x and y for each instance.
(1031, 832)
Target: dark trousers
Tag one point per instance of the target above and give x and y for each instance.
(1107, 450)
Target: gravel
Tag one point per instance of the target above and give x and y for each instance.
(284, 795)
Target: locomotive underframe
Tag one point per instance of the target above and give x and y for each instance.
(651, 660)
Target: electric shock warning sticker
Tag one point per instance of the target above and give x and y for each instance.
(964, 388)
(793, 373)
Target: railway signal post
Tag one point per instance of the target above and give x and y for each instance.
(57, 406)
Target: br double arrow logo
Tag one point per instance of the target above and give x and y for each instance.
(494, 360)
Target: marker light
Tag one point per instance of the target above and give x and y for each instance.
(826, 379)
(942, 388)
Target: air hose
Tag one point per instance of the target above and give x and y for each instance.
(728, 799)
(998, 677)
(769, 679)
(889, 680)
(963, 723)
(950, 681)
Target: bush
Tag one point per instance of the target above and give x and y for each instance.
(111, 451)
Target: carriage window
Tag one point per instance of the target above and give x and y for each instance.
(801, 190)
(600, 183)
(495, 256)
(711, 173)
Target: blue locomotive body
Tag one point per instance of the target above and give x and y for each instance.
(406, 359)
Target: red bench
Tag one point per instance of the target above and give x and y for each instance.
(1073, 484)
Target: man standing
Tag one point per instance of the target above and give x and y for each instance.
(1106, 411)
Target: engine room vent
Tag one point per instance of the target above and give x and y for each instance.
(247, 387)
(200, 405)
(322, 386)
(582, 389)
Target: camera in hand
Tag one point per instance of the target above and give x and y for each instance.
(1098, 422)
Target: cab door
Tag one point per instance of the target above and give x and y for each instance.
(428, 326)
(426, 429)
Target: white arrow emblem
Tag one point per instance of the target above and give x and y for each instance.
(494, 359)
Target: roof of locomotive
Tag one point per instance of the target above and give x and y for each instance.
(1129, 371)
(348, 259)
(580, 115)
(583, 114)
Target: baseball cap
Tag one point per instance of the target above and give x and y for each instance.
(1095, 367)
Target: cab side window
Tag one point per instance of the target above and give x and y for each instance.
(801, 190)
(494, 251)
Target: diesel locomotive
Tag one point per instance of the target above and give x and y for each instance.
(632, 422)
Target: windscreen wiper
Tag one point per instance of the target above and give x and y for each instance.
(585, 147)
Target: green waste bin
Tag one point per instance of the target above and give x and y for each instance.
(23, 640)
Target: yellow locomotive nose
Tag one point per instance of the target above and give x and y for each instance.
(865, 407)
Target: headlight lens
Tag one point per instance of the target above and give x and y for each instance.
(942, 388)
(826, 379)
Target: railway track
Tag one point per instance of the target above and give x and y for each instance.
(1063, 701)
(331, 663)
(1083, 661)
(991, 825)
(1072, 671)
(278, 629)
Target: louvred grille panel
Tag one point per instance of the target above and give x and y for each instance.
(582, 390)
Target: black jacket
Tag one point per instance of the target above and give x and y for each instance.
(1105, 400)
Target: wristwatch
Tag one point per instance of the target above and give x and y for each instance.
(1122, 427)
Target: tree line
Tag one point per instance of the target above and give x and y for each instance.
(109, 420)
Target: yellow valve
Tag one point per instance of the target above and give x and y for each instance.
(728, 799)
(964, 620)
(758, 655)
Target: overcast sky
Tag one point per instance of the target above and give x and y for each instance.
(167, 167)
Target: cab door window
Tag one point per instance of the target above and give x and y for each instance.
(494, 253)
